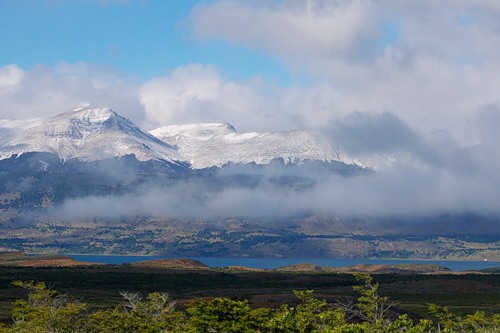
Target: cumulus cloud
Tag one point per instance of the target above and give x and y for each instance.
(197, 93)
(46, 91)
(10, 76)
(432, 63)
(361, 30)
(188, 94)
(295, 28)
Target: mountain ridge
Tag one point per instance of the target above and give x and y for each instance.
(90, 134)
(207, 145)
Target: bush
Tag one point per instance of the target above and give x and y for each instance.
(46, 311)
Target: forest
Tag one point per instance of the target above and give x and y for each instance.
(44, 309)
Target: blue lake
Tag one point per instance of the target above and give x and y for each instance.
(270, 263)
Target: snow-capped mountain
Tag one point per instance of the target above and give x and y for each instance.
(90, 134)
(93, 134)
(216, 144)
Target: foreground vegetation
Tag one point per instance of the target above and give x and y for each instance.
(45, 310)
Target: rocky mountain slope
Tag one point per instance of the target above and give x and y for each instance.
(90, 134)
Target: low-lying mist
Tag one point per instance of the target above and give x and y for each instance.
(402, 191)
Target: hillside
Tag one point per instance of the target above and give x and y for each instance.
(20, 259)
(178, 263)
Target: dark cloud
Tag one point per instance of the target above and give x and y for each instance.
(387, 136)
(362, 133)
(487, 124)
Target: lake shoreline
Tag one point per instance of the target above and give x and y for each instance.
(272, 263)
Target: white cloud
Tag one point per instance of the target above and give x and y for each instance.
(197, 93)
(433, 63)
(192, 93)
(10, 76)
(354, 30)
(43, 91)
(317, 28)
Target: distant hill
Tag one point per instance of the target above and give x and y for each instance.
(368, 269)
(177, 263)
(48, 260)
(305, 267)
(492, 270)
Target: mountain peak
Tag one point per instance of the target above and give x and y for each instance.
(93, 114)
(89, 115)
(90, 133)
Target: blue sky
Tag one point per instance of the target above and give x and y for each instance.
(140, 38)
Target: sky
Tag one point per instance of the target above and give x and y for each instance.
(419, 78)
(260, 65)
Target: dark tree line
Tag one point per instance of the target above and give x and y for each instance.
(45, 310)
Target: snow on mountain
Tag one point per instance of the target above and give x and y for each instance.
(214, 144)
(9, 128)
(200, 131)
(6, 134)
(90, 134)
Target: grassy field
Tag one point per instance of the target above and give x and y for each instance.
(99, 286)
